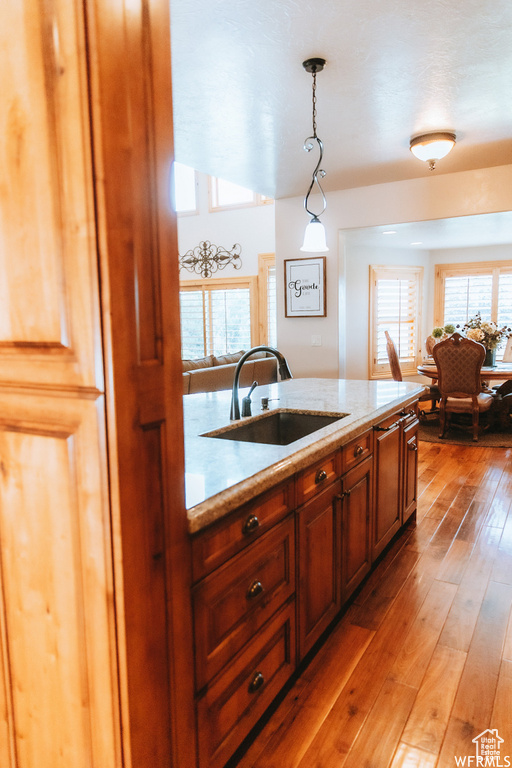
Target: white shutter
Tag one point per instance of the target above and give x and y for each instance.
(230, 325)
(465, 295)
(216, 316)
(192, 311)
(395, 307)
(271, 306)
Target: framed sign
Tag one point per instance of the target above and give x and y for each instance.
(304, 281)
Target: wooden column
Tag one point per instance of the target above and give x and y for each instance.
(95, 626)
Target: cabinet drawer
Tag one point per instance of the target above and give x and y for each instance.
(356, 451)
(314, 479)
(235, 701)
(214, 545)
(233, 603)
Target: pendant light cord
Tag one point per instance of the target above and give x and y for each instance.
(308, 146)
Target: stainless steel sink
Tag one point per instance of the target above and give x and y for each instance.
(276, 428)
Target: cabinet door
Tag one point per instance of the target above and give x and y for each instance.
(355, 537)
(410, 463)
(319, 565)
(388, 498)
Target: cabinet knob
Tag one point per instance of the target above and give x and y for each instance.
(251, 524)
(358, 450)
(341, 496)
(321, 475)
(257, 681)
(412, 446)
(254, 590)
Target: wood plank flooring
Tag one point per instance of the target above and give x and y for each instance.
(421, 663)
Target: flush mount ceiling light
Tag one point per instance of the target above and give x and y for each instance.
(314, 236)
(432, 146)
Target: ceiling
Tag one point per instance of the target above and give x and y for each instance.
(459, 232)
(395, 68)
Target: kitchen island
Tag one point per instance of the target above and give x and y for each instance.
(220, 474)
(283, 535)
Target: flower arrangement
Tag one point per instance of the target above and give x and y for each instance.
(485, 331)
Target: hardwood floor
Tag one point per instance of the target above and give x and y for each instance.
(421, 663)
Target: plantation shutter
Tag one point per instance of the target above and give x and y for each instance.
(462, 290)
(271, 306)
(395, 305)
(215, 320)
(465, 295)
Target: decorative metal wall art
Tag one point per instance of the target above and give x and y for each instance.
(206, 258)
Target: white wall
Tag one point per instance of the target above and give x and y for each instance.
(344, 332)
(253, 228)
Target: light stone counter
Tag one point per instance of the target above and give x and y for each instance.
(220, 475)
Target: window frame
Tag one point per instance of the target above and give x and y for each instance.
(230, 283)
(257, 199)
(460, 270)
(265, 261)
(378, 271)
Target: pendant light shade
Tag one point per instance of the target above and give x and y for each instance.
(314, 236)
(432, 146)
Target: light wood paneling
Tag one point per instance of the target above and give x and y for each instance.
(59, 665)
(49, 319)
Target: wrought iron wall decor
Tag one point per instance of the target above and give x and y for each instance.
(206, 258)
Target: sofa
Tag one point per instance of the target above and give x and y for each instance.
(211, 373)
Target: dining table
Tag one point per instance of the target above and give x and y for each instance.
(499, 372)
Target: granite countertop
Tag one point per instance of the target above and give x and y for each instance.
(220, 474)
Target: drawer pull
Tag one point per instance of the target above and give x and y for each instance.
(387, 429)
(254, 590)
(257, 681)
(412, 447)
(358, 450)
(321, 475)
(251, 524)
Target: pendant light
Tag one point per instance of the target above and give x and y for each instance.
(314, 236)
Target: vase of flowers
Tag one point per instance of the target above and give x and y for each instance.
(488, 334)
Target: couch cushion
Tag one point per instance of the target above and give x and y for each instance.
(233, 357)
(211, 379)
(200, 362)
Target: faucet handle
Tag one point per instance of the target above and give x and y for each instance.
(246, 401)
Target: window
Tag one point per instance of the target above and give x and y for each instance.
(218, 316)
(183, 192)
(395, 306)
(462, 290)
(267, 298)
(225, 194)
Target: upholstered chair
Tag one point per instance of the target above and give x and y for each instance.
(430, 343)
(432, 393)
(458, 361)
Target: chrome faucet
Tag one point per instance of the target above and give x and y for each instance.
(284, 372)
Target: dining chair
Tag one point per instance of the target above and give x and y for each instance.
(507, 354)
(432, 393)
(458, 361)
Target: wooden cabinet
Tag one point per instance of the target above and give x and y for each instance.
(244, 619)
(234, 602)
(261, 603)
(95, 618)
(388, 497)
(395, 452)
(357, 494)
(239, 695)
(318, 536)
(410, 465)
